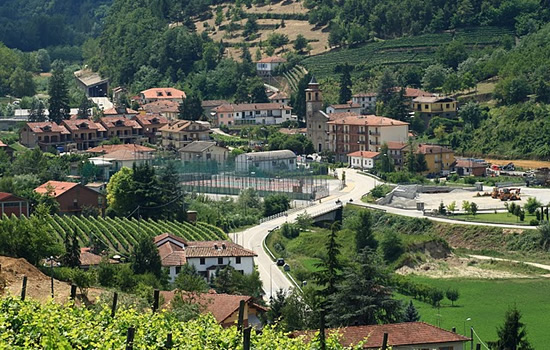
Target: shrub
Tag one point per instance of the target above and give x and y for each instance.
(289, 230)
(392, 246)
(534, 222)
(436, 295)
(532, 205)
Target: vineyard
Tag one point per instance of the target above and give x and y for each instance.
(30, 325)
(120, 234)
(407, 50)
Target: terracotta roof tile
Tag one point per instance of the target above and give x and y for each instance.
(279, 96)
(82, 124)
(272, 59)
(58, 187)
(41, 127)
(163, 93)
(364, 154)
(345, 105)
(119, 111)
(119, 121)
(151, 119)
(399, 334)
(368, 120)
(113, 148)
(433, 99)
(8, 197)
(213, 103)
(366, 94)
(396, 145)
(183, 125)
(161, 106)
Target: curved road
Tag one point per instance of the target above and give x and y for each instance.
(274, 278)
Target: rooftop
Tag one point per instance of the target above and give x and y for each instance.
(399, 334)
(57, 187)
(251, 107)
(151, 119)
(40, 127)
(364, 154)
(112, 148)
(433, 99)
(8, 197)
(427, 149)
(268, 155)
(272, 59)
(80, 124)
(183, 125)
(279, 96)
(163, 93)
(368, 120)
(120, 121)
(213, 103)
(345, 105)
(198, 146)
(162, 106)
(119, 111)
(89, 78)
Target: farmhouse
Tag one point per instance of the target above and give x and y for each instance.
(224, 307)
(401, 336)
(469, 166)
(266, 66)
(362, 159)
(13, 205)
(205, 256)
(72, 197)
(367, 101)
(279, 97)
(270, 161)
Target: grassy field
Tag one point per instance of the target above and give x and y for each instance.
(498, 218)
(408, 50)
(485, 302)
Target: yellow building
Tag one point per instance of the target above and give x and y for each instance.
(427, 107)
(438, 158)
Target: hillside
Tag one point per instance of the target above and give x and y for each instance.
(407, 50)
(33, 24)
(120, 234)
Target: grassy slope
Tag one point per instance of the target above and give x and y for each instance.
(485, 302)
(407, 50)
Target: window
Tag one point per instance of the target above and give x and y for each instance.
(220, 261)
(425, 106)
(291, 161)
(178, 269)
(238, 260)
(202, 261)
(447, 105)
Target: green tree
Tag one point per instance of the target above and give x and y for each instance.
(36, 113)
(172, 194)
(420, 161)
(363, 298)
(277, 40)
(453, 295)
(436, 296)
(411, 314)
(257, 91)
(512, 90)
(190, 280)
(145, 257)
(328, 273)
(276, 306)
(120, 192)
(275, 203)
(452, 54)
(83, 107)
(473, 208)
(190, 108)
(451, 207)
(392, 246)
(22, 83)
(544, 235)
(532, 205)
(250, 27)
(345, 83)
(71, 258)
(362, 226)
(512, 335)
(298, 98)
(434, 77)
(59, 94)
(300, 43)
(471, 114)
(386, 87)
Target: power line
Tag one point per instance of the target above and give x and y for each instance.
(479, 339)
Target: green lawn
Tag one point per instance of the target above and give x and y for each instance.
(498, 218)
(485, 302)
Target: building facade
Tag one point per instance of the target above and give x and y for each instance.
(252, 114)
(13, 205)
(85, 133)
(180, 133)
(204, 151)
(346, 107)
(270, 161)
(366, 100)
(72, 197)
(427, 107)
(362, 159)
(151, 125)
(266, 66)
(44, 135)
(316, 119)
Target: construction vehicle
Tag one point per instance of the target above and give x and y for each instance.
(506, 194)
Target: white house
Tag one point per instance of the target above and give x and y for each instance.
(362, 159)
(252, 114)
(279, 97)
(367, 101)
(283, 160)
(205, 256)
(204, 150)
(267, 65)
(346, 107)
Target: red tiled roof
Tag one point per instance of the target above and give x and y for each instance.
(171, 254)
(40, 127)
(160, 237)
(288, 131)
(57, 187)
(83, 124)
(341, 115)
(368, 120)
(467, 163)
(399, 334)
(364, 154)
(433, 99)
(205, 249)
(183, 125)
(111, 122)
(412, 92)
(221, 306)
(116, 111)
(427, 149)
(152, 118)
(87, 258)
(272, 59)
(163, 93)
(8, 197)
(396, 145)
(113, 148)
(161, 106)
(250, 107)
(125, 154)
(213, 103)
(345, 105)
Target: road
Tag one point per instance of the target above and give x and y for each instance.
(273, 277)
(483, 257)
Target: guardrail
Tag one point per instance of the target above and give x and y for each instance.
(285, 213)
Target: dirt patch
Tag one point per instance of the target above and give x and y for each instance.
(38, 284)
(455, 267)
(433, 249)
(526, 164)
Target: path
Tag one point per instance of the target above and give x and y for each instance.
(483, 257)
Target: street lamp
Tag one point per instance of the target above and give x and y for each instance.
(466, 320)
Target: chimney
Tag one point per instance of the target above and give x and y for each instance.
(216, 246)
(223, 245)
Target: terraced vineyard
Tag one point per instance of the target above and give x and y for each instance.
(408, 50)
(121, 234)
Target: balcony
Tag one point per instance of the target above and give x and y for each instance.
(361, 132)
(361, 142)
(374, 143)
(374, 133)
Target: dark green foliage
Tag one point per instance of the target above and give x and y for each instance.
(329, 269)
(453, 295)
(71, 258)
(411, 314)
(364, 237)
(391, 246)
(230, 281)
(145, 257)
(512, 90)
(532, 205)
(452, 54)
(298, 144)
(512, 334)
(363, 297)
(59, 94)
(275, 203)
(190, 280)
(345, 83)
(436, 296)
(276, 305)
(190, 108)
(298, 98)
(289, 230)
(300, 43)
(36, 112)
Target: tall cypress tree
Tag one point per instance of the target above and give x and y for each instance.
(411, 314)
(328, 275)
(512, 335)
(59, 94)
(345, 83)
(71, 258)
(364, 238)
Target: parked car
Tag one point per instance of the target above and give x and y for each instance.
(280, 262)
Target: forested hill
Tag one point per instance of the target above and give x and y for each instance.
(33, 24)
